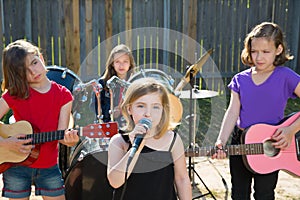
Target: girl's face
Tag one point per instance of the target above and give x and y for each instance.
(263, 53)
(148, 106)
(121, 64)
(36, 70)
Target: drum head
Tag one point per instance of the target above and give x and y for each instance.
(87, 179)
(158, 75)
(176, 110)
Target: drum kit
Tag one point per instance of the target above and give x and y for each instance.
(84, 167)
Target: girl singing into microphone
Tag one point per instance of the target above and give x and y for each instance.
(159, 162)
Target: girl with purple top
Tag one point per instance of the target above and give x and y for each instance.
(259, 95)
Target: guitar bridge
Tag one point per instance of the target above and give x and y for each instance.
(297, 138)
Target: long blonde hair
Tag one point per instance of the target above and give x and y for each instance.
(145, 86)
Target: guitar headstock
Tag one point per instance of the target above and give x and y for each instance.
(99, 130)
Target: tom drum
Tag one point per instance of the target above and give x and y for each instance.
(86, 178)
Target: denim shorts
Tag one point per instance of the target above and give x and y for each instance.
(17, 182)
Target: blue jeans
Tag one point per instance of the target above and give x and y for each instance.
(18, 180)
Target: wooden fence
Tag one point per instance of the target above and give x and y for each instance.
(79, 34)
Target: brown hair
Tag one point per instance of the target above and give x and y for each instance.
(14, 67)
(109, 69)
(145, 86)
(270, 31)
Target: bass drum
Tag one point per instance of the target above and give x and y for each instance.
(69, 79)
(63, 76)
(175, 103)
(86, 178)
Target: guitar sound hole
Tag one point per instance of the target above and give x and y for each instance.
(269, 149)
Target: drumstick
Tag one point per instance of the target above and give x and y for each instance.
(194, 69)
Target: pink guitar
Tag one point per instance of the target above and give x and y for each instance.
(261, 156)
(11, 158)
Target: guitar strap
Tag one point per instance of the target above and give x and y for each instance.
(237, 132)
(286, 118)
(236, 135)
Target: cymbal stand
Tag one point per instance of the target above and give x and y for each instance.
(191, 126)
(192, 135)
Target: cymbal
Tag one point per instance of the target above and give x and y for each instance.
(197, 94)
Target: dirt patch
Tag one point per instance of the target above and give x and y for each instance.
(214, 174)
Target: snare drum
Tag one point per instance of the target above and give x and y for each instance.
(175, 103)
(67, 78)
(87, 178)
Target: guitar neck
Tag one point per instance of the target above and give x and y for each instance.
(245, 149)
(103, 130)
(38, 138)
(241, 149)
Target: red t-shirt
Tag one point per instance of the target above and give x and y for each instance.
(42, 111)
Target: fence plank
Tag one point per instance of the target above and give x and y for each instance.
(292, 34)
(62, 35)
(108, 24)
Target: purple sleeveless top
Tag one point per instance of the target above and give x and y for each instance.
(264, 103)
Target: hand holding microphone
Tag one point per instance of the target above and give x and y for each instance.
(147, 124)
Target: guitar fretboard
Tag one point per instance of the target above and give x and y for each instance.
(38, 138)
(245, 149)
(241, 149)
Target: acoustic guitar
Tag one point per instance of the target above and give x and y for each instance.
(10, 158)
(259, 154)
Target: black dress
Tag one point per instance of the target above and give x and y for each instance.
(152, 177)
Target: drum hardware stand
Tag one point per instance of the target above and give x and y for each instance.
(192, 119)
(97, 88)
(99, 110)
(112, 84)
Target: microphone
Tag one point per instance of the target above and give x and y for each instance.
(139, 138)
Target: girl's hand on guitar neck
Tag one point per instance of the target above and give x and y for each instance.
(283, 137)
(71, 138)
(17, 143)
(219, 152)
